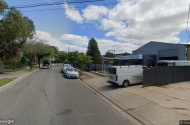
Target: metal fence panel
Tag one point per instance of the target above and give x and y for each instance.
(164, 75)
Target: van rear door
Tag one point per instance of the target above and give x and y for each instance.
(112, 77)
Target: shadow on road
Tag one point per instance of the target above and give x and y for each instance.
(110, 87)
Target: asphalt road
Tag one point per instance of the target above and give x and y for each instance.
(47, 98)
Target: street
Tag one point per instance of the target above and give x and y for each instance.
(47, 98)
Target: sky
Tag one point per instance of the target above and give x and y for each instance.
(120, 25)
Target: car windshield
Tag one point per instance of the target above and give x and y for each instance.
(71, 69)
(66, 65)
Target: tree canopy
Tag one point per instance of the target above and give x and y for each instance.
(72, 57)
(83, 59)
(15, 29)
(109, 54)
(94, 51)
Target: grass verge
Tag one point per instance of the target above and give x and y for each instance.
(5, 81)
(31, 70)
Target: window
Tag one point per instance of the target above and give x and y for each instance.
(112, 70)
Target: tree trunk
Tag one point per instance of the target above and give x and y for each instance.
(30, 60)
(39, 62)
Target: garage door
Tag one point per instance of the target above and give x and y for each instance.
(168, 53)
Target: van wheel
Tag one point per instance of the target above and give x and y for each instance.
(125, 83)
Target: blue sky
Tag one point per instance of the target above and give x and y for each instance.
(121, 25)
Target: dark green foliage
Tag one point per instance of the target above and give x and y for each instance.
(94, 51)
(72, 57)
(109, 54)
(126, 54)
(83, 59)
(62, 56)
(14, 31)
(3, 6)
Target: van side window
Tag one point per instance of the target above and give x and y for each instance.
(112, 70)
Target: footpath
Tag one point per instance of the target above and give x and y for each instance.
(16, 74)
(165, 105)
(19, 75)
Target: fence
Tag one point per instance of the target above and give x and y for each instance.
(164, 75)
(99, 68)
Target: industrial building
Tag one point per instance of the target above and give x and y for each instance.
(153, 51)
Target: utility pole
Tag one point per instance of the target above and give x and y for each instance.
(68, 49)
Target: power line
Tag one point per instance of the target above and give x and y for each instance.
(64, 8)
(56, 3)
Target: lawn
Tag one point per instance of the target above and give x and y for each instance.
(31, 70)
(5, 81)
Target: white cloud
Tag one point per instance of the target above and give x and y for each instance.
(139, 21)
(105, 44)
(72, 13)
(75, 39)
(60, 44)
(92, 12)
(80, 43)
(147, 20)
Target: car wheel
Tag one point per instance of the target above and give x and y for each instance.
(125, 83)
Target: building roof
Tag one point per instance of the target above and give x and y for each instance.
(155, 42)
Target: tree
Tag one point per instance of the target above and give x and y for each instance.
(83, 59)
(44, 51)
(36, 48)
(109, 54)
(62, 56)
(3, 6)
(14, 31)
(126, 54)
(30, 51)
(72, 57)
(94, 51)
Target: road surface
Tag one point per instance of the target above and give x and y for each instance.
(47, 98)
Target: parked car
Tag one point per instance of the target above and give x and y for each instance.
(125, 75)
(64, 67)
(71, 73)
(45, 66)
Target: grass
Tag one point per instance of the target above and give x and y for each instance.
(31, 70)
(16, 69)
(5, 81)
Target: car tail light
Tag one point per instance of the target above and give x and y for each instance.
(116, 77)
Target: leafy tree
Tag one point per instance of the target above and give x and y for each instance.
(73, 56)
(94, 51)
(14, 31)
(126, 54)
(3, 6)
(109, 54)
(83, 59)
(30, 51)
(62, 56)
(36, 48)
(44, 51)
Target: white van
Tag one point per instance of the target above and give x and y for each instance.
(125, 75)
